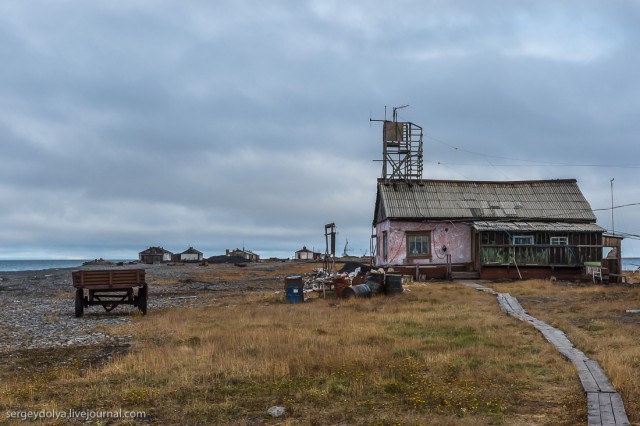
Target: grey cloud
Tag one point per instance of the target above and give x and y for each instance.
(126, 125)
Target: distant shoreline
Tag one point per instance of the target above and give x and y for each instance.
(19, 265)
(35, 265)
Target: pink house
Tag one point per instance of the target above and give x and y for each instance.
(439, 228)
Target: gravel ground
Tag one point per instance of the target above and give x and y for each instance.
(37, 308)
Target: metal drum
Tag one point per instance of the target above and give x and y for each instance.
(393, 284)
(293, 289)
(362, 290)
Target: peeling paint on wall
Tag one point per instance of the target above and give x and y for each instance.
(446, 238)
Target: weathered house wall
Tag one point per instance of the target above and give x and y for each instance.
(190, 256)
(446, 238)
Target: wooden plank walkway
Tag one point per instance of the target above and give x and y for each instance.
(604, 403)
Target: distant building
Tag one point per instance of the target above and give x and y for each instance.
(189, 255)
(306, 254)
(248, 255)
(155, 255)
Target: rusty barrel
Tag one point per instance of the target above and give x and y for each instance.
(339, 284)
(293, 289)
(393, 284)
(362, 290)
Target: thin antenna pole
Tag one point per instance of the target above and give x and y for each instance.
(613, 228)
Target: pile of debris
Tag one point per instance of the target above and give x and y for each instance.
(353, 280)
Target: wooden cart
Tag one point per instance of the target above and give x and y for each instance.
(110, 288)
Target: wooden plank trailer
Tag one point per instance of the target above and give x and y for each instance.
(110, 288)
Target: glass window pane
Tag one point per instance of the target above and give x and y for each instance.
(418, 245)
(522, 239)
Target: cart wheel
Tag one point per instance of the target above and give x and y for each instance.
(79, 302)
(142, 299)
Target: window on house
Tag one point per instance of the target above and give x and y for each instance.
(419, 244)
(520, 240)
(559, 241)
(385, 246)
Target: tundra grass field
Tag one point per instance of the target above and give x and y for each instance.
(440, 353)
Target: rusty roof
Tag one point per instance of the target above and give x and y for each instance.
(541, 200)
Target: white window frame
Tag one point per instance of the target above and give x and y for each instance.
(519, 240)
(421, 240)
(559, 241)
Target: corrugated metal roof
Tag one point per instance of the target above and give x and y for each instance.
(558, 200)
(536, 226)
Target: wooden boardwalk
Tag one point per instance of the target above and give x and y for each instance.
(604, 403)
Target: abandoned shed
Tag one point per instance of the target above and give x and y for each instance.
(155, 255)
(509, 229)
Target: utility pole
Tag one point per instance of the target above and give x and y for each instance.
(613, 228)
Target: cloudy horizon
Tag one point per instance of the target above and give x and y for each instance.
(230, 123)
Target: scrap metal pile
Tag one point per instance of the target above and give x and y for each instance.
(353, 280)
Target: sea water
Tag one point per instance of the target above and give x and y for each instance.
(38, 265)
(630, 263)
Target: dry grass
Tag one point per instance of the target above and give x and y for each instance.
(632, 277)
(594, 318)
(439, 354)
(263, 273)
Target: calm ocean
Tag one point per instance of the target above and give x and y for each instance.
(630, 263)
(38, 265)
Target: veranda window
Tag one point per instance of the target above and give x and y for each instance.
(559, 241)
(521, 240)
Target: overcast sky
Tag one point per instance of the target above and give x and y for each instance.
(125, 124)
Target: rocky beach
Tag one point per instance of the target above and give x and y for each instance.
(37, 310)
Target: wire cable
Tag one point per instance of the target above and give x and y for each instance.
(534, 162)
